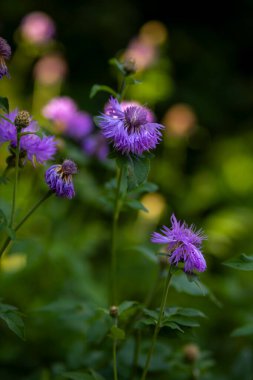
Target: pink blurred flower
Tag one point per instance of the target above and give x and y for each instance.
(50, 69)
(37, 27)
(67, 118)
(144, 54)
(60, 109)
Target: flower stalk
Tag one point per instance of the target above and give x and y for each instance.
(24, 219)
(159, 323)
(117, 206)
(15, 182)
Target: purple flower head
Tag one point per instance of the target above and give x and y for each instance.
(96, 145)
(184, 245)
(37, 28)
(60, 109)
(150, 114)
(36, 148)
(80, 125)
(59, 179)
(129, 129)
(5, 54)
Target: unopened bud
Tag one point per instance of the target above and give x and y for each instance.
(113, 311)
(191, 352)
(129, 66)
(23, 119)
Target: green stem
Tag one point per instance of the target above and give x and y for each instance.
(15, 182)
(114, 350)
(114, 354)
(34, 208)
(122, 90)
(158, 325)
(113, 245)
(136, 354)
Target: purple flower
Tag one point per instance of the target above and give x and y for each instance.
(59, 179)
(64, 113)
(5, 54)
(96, 145)
(129, 129)
(184, 245)
(150, 114)
(37, 148)
(60, 109)
(79, 125)
(37, 28)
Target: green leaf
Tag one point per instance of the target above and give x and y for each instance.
(118, 65)
(130, 79)
(173, 326)
(146, 321)
(12, 317)
(184, 311)
(147, 187)
(122, 163)
(241, 262)
(117, 333)
(182, 284)
(10, 232)
(3, 180)
(4, 104)
(136, 205)
(243, 331)
(126, 305)
(183, 321)
(100, 87)
(3, 218)
(152, 313)
(138, 171)
(95, 375)
(77, 376)
(147, 252)
(4, 225)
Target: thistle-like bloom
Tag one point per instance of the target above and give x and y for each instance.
(5, 54)
(184, 245)
(133, 103)
(129, 129)
(59, 179)
(36, 148)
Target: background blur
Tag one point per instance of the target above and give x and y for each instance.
(196, 71)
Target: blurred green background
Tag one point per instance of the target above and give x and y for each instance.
(199, 84)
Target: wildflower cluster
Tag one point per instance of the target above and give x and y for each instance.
(132, 132)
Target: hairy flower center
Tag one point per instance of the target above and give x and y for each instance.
(135, 118)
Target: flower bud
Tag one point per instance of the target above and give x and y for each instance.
(191, 352)
(113, 311)
(22, 120)
(129, 66)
